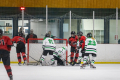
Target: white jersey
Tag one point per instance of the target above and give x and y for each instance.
(49, 44)
(91, 45)
(60, 53)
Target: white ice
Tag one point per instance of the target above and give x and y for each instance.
(102, 72)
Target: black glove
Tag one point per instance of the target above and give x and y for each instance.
(81, 42)
(83, 51)
(78, 47)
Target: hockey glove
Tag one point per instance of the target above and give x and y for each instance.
(81, 42)
(78, 47)
(83, 51)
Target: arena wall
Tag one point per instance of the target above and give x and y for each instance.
(106, 53)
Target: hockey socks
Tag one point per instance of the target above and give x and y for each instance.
(19, 57)
(52, 60)
(72, 55)
(42, 58)
(24, 56)
(85, 59)
(8, 69)
(76, 57)
(93, 60)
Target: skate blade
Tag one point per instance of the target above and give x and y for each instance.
(82, 67)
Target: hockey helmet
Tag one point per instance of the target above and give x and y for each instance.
(73, 32)
(47, 35)
(89, 35)
(80, 33)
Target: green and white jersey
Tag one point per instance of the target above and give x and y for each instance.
(49, 44)
(60, 52)
(91, 45)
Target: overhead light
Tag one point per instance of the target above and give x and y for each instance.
(22, 8)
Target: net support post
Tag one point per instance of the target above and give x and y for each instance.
(70, 23)
(46, 18)
(116, 25)
(93, 22)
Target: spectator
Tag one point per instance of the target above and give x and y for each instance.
(32, 35)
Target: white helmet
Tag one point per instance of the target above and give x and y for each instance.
(66, 47)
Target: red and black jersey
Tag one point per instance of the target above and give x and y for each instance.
(73, 40)
(5, 41)
(18, 38)
(82, 41)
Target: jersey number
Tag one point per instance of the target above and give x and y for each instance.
(50, 41)
(92, 43)
(2, 42)
(21, 39)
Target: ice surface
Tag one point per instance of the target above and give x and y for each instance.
(102, 72)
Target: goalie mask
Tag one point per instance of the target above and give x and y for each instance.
(89, 35)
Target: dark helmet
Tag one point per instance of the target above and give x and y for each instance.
(80, 33)
(20, 34)
(73, 32)
(47, 35)
(89, 35)
(1, 32)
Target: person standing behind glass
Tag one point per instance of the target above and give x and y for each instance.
(31, 35)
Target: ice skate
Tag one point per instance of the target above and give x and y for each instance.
(92, 66)
(11, 77)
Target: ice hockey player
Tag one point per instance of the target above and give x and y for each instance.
(5, 48)
(20, 41)
(48, 47)
(81, 44)
(73, 43)
(90, 48)
(59, 55)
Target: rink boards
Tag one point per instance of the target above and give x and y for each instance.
(106, 53)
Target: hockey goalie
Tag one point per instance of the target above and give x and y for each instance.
(59, 55)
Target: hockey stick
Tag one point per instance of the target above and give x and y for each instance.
(30, 56)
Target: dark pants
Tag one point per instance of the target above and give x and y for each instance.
(20, 47)
(45, 52)
(73, 50)
(5, 56)
(59, 61)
